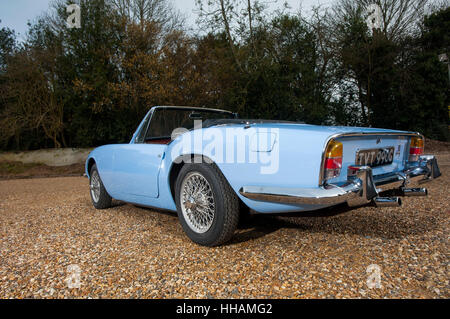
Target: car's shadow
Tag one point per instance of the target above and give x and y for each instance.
(366, 222)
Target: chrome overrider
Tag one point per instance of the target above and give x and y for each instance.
(361, 187)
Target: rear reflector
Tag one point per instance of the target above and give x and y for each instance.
(415, 150)
(333, 163)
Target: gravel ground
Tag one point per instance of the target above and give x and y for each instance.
(49, 224)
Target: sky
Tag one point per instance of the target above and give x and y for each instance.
(15, 14)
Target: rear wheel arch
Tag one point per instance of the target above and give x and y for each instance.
(178, 164)
(91, 163)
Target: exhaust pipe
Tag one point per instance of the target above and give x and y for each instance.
(415, 191)
(387, 201)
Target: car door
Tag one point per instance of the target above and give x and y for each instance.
(136, 165)
(136, 168)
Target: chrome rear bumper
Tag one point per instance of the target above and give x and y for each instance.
(361, 187)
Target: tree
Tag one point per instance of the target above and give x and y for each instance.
(29, 103)
(7, 46)
(399, 18)
(367, 57)
(429, 93)
(159, 12)
(388, 68)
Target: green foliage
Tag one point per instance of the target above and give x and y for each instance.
(92, 85)
(399, 82)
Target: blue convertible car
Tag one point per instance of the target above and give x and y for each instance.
(207, 165)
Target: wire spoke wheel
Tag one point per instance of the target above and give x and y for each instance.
(207, 207)
(197, 202)
(95, 186)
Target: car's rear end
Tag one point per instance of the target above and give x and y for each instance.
(361, 166)
(380, 163)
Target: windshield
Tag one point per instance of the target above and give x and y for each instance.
(165, 120)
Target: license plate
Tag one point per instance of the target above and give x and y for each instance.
(375, 157)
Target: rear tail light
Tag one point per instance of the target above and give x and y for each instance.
(415, 149)
(333, 159)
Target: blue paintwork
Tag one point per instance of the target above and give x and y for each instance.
(139, 173)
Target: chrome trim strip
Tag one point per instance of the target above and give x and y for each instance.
(353, 134)
(145, 129)
(191, 108)
(308, 196)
